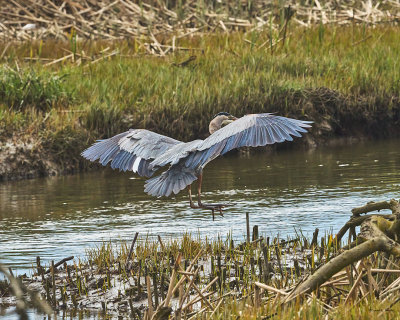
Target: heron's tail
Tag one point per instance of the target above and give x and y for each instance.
(173, 180)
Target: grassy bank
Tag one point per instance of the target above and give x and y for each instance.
(346, 79)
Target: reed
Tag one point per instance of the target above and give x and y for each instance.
(118, 20)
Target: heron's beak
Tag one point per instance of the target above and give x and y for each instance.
(233, 118)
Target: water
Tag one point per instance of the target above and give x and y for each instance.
(293, 189)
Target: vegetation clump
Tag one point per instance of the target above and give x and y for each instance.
(42, 91)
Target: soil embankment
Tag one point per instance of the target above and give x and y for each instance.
(336, 120)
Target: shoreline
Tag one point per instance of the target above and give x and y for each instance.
(27, 160)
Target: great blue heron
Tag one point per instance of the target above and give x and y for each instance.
(144, 152)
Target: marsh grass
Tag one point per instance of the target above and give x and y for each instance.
(366, 310)
(41, 90)
(347, 77)
(107, 274)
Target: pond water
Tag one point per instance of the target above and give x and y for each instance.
(291, 189)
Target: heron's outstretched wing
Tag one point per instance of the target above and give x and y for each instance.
(132, 150)
(251, 130)
(257, 130)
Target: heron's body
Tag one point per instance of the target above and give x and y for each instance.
(144, 152)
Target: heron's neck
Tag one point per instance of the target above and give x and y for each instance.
(215, 125)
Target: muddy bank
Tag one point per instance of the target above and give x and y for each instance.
(28, 159)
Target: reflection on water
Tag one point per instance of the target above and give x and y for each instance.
(61, 216)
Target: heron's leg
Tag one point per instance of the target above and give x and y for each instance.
(192, 205)
(211, 206)
(200, 179)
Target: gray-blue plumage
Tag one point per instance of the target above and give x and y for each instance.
(132, 150)
(144, 152)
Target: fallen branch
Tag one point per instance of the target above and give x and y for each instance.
(377, 233)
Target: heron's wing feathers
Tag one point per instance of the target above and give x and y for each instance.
(175, 153)
(256, 130)
(252, 130)
(132, 150)
(175, 179)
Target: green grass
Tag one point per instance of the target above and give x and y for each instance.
(30, 88)
(347, 76)
(305, 311)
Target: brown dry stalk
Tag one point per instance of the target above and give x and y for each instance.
(121, 19)
(269, 288)
(150, 301)
(197, 299)
(353, 290)
(188, 288)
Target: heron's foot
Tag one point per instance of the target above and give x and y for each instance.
(214, 207)
(216, 204)
(210, 206)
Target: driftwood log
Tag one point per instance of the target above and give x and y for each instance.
(378, 232)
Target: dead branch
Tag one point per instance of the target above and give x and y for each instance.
(377, 233)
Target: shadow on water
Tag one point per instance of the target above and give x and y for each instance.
(62, 216)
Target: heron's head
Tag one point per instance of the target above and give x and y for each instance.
(220, 120)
